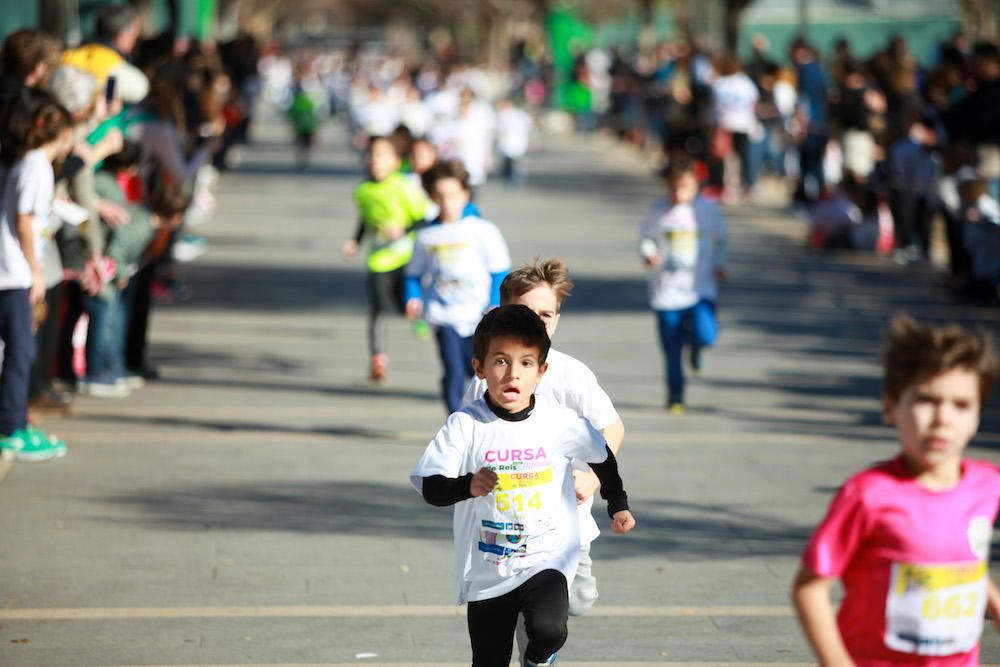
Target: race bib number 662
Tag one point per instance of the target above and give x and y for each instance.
(935, 609)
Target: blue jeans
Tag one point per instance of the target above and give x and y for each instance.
(700, 320)
(810, 186)
(104, 357)
(19, 349)
(456, 357)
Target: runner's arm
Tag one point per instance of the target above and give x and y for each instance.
(442, 491)
(811, 595)
(586, 482)
(612, 488)
(993, 602)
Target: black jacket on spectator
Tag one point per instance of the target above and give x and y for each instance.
(976, 118)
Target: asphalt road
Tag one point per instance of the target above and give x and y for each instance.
(252, 507)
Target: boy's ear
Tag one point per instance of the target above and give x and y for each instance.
(541, 371)
(888, 409)
(478, 368)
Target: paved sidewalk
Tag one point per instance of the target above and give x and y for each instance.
(252, 508)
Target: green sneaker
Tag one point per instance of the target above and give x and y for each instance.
(421, 330)
(38, 446)
(9, 446)
(40, 435)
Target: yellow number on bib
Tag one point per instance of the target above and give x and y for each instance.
(972, 602)
(931, 608)
(953, 606)
(506, 500)
(503, 502)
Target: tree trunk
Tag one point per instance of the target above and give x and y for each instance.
(683, 19)
(647, 34)
(734, 10)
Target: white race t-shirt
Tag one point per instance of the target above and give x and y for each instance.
(469, 138)
(29, 189)
(417, 117)
(513, 132)
(454, 261)
(571, 384)
(692, 242)
(528, 522)
(736, 100)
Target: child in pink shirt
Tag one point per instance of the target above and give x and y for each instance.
(910, 538)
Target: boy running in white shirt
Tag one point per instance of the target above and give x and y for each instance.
(504, 462)
(543, 287)
(457, 265)
(684, 243)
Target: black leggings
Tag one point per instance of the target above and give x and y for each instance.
(385, 294)
(544, 601)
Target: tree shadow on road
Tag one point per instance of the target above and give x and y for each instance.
(671, 529)
(685, 531)
(274, 289)
(330, 507)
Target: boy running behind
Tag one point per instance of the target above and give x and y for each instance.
(454, 275)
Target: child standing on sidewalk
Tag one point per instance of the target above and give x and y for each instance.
(504, 462)
(910, 538)
(684, 243)
(457, 266)
(388, 206)
(36, 131)
(543, 287)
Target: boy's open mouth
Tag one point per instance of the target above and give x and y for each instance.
(510, 393)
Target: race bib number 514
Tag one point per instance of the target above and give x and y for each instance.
(935, 609)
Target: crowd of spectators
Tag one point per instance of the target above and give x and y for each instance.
(879, 151)
(106, 158)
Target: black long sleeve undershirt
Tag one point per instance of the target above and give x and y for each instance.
(612, 488)
(442, 491)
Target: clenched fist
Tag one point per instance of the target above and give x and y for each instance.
(483, 482)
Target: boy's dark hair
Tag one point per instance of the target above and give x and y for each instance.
(514, 321)
(167, 201)
(114, 20)
(22, 51)
(445, 169)
(917, 352)
(679, 164)
(402, 140)
(33, 119)
(126, 158)
(551, 272)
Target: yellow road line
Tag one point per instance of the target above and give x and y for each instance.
(352, 611)
(366, 663)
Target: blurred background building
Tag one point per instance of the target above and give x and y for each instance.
(491, 31)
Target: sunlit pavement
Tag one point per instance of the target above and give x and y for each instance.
(252, 507)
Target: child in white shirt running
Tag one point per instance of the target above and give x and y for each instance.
(454, 274)
(683, 242)
(505, 463)
(543, 286)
